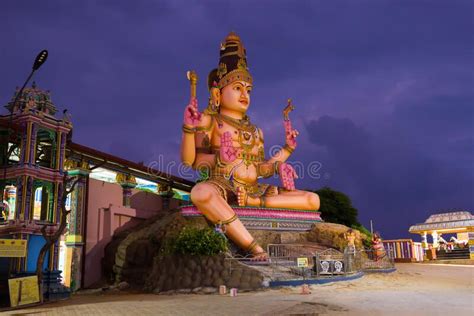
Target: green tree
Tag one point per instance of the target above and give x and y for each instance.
(336, 207)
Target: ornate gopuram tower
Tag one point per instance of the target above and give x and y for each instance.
(32, 146)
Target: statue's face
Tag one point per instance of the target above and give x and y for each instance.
(236, 96)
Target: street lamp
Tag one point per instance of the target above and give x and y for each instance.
(39, 61)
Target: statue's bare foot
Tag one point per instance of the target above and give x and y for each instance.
(258, 254)
(262, 256)
(243, 199)
(241, 196)
(253, 201)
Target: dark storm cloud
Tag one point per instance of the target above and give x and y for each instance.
(383, 89)
(407, 169)
(439, 115)
(343, 139)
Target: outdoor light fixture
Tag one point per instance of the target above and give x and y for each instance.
(40, 59)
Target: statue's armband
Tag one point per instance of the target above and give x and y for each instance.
(203, 142)
(265, 169)
(260, 134)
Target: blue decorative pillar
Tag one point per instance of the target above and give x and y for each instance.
(29, 198)
(20, 197)
(75, 236)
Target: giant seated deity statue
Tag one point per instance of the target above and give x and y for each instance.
(224, 141)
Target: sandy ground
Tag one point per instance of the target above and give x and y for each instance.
(414, 289)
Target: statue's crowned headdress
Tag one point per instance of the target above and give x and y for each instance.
(232, 63)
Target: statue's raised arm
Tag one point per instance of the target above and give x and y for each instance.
(196, 132)
(276, 164)
(290, 133)
(192, 118)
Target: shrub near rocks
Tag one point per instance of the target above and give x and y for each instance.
(194, 242)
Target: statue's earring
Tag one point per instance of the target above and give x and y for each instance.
(215, 96)
(215, 105)
(211, 106)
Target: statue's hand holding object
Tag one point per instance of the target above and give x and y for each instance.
(290, 133)
(192, 116)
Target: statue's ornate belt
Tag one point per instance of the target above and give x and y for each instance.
(250, 157)
(242, 155)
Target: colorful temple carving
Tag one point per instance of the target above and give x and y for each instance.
(33, 150)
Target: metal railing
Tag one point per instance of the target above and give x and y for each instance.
(290, 262)
(300, 262)
(292, 250)
(369, 259)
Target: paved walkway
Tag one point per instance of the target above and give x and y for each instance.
(414, 289)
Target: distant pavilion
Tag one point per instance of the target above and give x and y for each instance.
(459, 222)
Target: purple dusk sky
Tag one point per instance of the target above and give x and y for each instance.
(383, 89)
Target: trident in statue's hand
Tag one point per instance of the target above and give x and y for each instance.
(286, 111)
(192, 116)
(192, 77)
(290, 133)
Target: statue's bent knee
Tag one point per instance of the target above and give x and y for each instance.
(313, 201)
(201, 193)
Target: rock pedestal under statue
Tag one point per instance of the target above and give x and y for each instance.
(137, 256)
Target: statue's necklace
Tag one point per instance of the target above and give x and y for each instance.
(242, 124)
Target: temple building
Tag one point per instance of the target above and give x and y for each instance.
(460, 223)
(111, 193)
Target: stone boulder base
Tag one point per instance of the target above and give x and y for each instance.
(189, 272)
(137, 255)
(332, 235)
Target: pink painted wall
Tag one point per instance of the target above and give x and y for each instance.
(105, 215)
